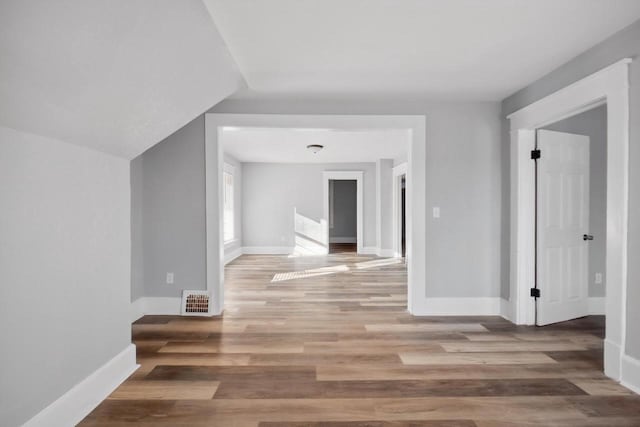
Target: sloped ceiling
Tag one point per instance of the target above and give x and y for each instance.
(117, 76)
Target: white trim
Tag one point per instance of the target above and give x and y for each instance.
(231, 254)
(613, 357)
(505, 309)
(386, 253)
(369, 250)
(231, 242)
(597, 305)
(70, 408)
(358, 176)
(343, 239)
(162, 305)
(522, 229)
(137, 309)
(214, 213)
(398, 172)
(481, 306)
(155, 306)
(416, 190)
(332, 192)
(610, 84)
(630, 373)
(229, 168)
(267, 250)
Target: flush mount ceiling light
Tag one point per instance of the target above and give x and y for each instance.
(315, 148)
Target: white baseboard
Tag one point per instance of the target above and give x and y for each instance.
(155, 306)
(162, 305)
(386, 253)
(267, 250)
(630, 377)
(369, 250)
(505, 309)
(137, 309)
(612, 359)
(70, 408)
(232, 243)
(482, 306)
(597, 305)
(343, 240)
(230, 255)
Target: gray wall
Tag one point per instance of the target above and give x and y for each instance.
(65, 263)
(463, 174)
(271, 191)
(171, 202)
(384, 212)
(345, 209)
(593, 123)
(626, 43)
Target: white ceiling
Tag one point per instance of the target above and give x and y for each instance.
(277, 145)
(470, 49)
(120, 75)
(117, 76)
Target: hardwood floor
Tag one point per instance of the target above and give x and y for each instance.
(341, 248)
(326, 341)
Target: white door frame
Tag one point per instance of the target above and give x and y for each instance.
(398, 172)
(611, 86)
(415, 191)
(339, 176)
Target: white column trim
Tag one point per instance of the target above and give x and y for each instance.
(416, 185)
(610, 85)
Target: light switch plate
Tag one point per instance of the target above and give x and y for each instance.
(169, 278)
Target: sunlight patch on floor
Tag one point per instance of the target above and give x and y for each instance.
(378, 263)
(323, 271)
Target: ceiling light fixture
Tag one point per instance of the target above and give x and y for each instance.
(315, 148)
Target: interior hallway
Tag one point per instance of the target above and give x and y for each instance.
(327, 341)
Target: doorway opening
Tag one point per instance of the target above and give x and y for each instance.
(400, 211)
(343, 216)
(403, 226)
(611, 86)
(343, 207)
(414, 135)
(571, 197)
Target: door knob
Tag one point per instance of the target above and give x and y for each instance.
(587, 237)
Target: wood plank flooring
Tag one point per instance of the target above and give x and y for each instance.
(326, 341)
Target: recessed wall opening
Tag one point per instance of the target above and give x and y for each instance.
(299, 203)
(343, 216)
(323, 196)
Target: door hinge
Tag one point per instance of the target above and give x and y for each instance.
(535, 292)
(535, 154)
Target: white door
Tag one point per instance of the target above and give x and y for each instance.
(563, 221)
